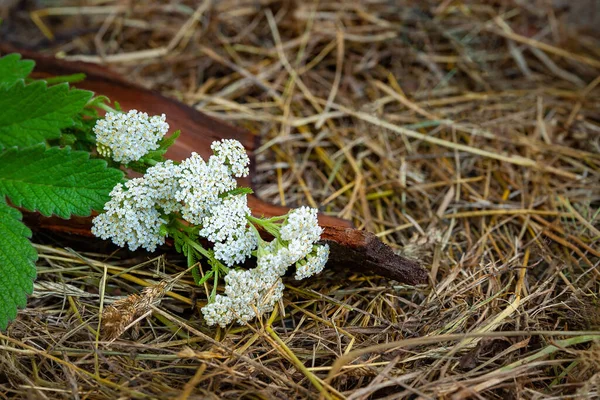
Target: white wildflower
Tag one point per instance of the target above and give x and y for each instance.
(254, 292)
(301, 224)
(130, 217)
(232, 153)
(247, 294)
(162, 179)
(200, 184)
(314, 262)
(227, 227)
(301, 229)
(227, 219)
(237, 249)
(273, 259)
(128, 137)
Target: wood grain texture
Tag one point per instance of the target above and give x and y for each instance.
(350, 248)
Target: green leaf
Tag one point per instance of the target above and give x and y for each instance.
(56, 181)
(17, 263)
(31, 114)
(12, 69)
(167, 142)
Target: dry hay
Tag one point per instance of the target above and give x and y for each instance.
(465, 134)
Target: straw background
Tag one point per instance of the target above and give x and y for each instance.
(465, 134)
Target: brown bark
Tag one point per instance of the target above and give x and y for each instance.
(360, 250)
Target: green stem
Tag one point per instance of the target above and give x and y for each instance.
(213, 293)
(261, 242)
(266, 224)
(191, 259)
(108, 108)
(197, 246)
(178, 226)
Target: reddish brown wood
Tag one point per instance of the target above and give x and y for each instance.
(360, 250)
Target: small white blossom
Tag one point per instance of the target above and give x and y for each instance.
(247, 294)
(232, 153)
(237, 249)
(162, 179)
(227, 227)
(314, 263)
(251, 293)
(131, 217)
(301, 224)
(227, 219)
(301, 229)
(200, 184)
(128, 137)
(273, 259)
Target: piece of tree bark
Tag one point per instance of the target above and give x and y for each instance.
(350, 248)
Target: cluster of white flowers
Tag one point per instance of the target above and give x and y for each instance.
(136, 210)
(301, 229)
(201, 183)
(248, 293)
(231, 153)
(128, 137)
(313, 264)
(227, 227)
(200, 192)
(163, 180)
(131, 217)
(251, 293)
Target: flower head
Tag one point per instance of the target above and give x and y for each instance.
(301, 224)
(248, 293)
(161, 179)
(273, 259)
(236, 249)
(232, 153)
(301, 230)
(227, 227)
(128, 137)
(254, 292)
(314, 262)
(200, 184)
(131, 217)
(226, 219)
(134, 214)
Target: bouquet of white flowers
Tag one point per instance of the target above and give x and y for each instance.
(196, 199)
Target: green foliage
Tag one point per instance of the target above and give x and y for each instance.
(34, 113)
(12, 68)
(56, 181)
(37, 171)
(17, 263)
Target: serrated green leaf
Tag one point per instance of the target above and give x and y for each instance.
(56, 181)
(17, 263)
(31, 114)
(12, 69)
